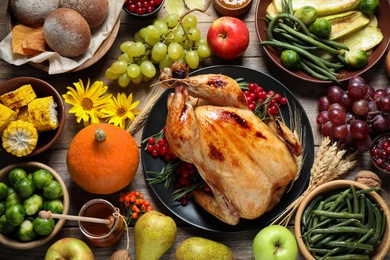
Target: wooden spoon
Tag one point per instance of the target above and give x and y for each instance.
(48, 215)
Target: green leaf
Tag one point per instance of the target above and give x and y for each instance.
(174, 6)
(193, 4)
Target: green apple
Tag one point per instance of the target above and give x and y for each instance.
(275, 242)
(69, 248)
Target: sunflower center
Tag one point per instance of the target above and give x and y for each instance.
(87, 104)
(121, 111)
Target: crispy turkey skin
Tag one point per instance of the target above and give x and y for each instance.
(245, 163)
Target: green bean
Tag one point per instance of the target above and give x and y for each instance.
(308, 39)
(339, 199)
(363, 207)
(355, 200)
(348, 257)
(308, 55)
(312, 72)
(308, 210)
(349, 206)
(327, 73)
(331, 214)
(348, 229)
(351, 245)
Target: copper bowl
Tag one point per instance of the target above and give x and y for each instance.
(42, 89)
(380, 251)
(345, 74)
(31, 167)
(234, 10)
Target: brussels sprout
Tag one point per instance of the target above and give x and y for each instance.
(29, 175)
(356, 59)
(369, 6)
(33, 204)
(321, 27)
(5, 227)
(24, 187)
(26, 231)
(15, 174)
(290, 59)
(41, 177)
(11, 190)
(2, 208)
(3, 190)
(307, 14)
(56, 206)
(12, 199)
(43, 227)
(53, 190)
(15, 214)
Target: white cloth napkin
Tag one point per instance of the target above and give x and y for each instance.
(57, 63)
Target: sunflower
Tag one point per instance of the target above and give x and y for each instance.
(87, 101)
(119, 109)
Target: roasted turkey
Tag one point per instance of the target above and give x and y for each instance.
(243, 160)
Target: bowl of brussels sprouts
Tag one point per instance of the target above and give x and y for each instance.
(26, 188)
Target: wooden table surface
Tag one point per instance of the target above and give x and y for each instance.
(255, 58)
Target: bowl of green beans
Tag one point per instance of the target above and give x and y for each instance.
(343, 219)
(321, 59)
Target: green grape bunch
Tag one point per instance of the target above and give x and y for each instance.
(158, 45)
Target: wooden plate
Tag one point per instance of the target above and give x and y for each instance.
(104, 47)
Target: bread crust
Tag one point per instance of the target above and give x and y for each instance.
(94, 11)
(32, 12)
(67, 32)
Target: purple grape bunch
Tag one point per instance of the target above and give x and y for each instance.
(355, 115)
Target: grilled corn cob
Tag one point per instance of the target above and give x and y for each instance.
(42, 113)
(23, 114)
(19, 97)
(6, 116)
(20, 138)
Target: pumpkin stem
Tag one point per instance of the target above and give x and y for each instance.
(100, 135)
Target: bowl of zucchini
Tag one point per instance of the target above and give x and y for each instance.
(343, 218)
(326, 41)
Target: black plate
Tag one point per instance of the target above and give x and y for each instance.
(193, 213)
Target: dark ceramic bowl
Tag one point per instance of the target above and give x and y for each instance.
(42, 89)
(10, 240)
(143, 16)
(379, 50)
(232, 10)
(379, 155)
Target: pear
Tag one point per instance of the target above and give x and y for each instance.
(154, 234)
(202, 248)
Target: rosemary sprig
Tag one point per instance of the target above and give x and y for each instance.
(180, 193)
(167, 174)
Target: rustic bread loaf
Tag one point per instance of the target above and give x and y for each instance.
(32, 12)
(93, 11)
(67, 32)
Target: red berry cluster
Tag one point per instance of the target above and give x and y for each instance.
(257, 98)
(187, 175)
(158, 146)
(142, 6)
(380, 153)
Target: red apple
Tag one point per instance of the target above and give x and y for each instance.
(228, 37)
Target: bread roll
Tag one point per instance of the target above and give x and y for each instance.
(32, 12)
(93, 11)
(67, 32)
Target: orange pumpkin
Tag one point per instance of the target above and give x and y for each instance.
(102, 158)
